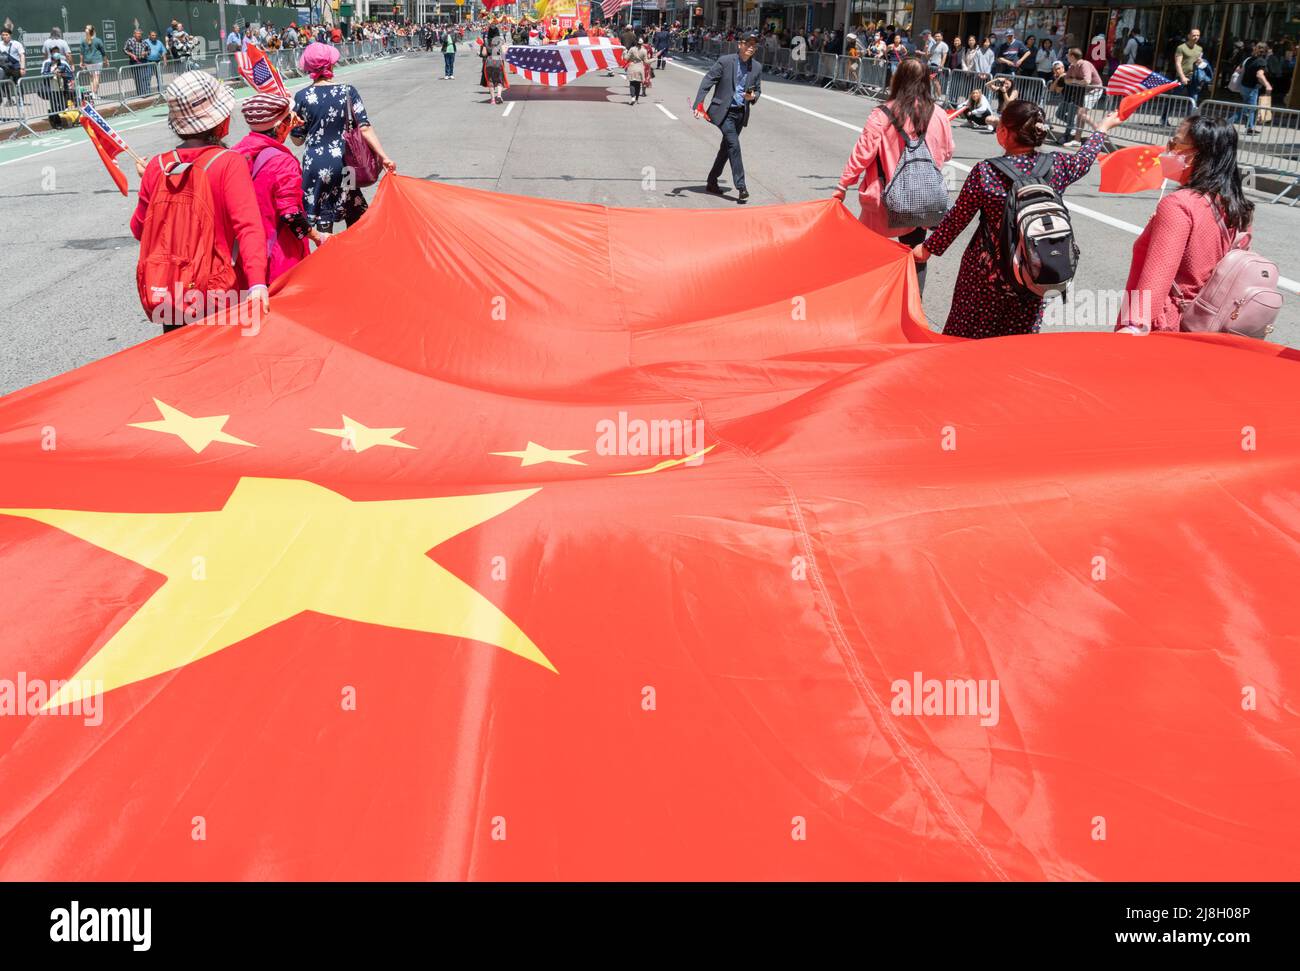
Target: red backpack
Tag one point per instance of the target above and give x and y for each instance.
(178, 251)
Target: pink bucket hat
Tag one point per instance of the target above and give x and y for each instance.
(318, 60)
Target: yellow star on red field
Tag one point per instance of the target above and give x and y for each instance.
(534, 454)
(277, 548)
(197, 433)
(357, 437)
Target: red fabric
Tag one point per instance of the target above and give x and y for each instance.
(770, 597)
(1182, 243)
(107, 151)
(1133, 169)
(880, 139)
(278, 188)
(1131, 103)
(237, 214)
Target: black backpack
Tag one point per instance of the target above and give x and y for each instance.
(1039, 254)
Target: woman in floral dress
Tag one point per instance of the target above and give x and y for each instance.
(322, 110)
(984, 304)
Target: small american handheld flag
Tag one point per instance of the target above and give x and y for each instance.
(259, 72)
(1135, 85)
(107, 142)
(558, 64)
(611, 7)
(1132, 78)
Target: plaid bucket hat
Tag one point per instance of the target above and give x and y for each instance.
(197, 102)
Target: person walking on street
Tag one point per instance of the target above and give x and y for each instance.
(984, 303)
(277, 182)
(1192, 229)
(735, 81)
(198, 111)
(638, 69)
(325, 110)
(909, 114)
(448, 55)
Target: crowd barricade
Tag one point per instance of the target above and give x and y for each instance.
(1277, 146)
(137, 82)
(959, 85)
(939, 84)
(1030, 88)
(224, 67)
(15, 107)
(828, 69)
(40, 96)
(873, 76)
(102, 84)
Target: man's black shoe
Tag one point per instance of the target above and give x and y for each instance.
(714, 188)
(744, 194)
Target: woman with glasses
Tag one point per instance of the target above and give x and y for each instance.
(1191, 230)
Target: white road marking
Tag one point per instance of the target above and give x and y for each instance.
(1101, 217)
(666, 112)
(509, 105)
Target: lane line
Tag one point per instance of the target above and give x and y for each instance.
(509, 105)
(666, 112)
(1101, 217)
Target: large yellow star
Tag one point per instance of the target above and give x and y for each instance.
(277, 548)
(535, 454)
(358, 437)
(197, 433)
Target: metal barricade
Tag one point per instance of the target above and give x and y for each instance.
(137, 82)
(13, 107)
(43, 96)
(828, 69)
(873, 75)
(101, 84)
(224, 66)
(1276, 147)
(959, 85)
(1030, 89)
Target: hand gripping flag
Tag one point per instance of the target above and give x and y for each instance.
(1135, 85)
(656, 584)
(1131, 169)
(258, 72)
(107, 142)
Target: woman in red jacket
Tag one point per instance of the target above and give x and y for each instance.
(1191, 230)
(198, 110)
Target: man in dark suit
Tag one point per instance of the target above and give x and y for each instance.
(735, 82)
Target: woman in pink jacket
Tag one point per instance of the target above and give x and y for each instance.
(1192, 229)
(277, 182)
(879, 147)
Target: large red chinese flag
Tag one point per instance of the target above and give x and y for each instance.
(742, 576)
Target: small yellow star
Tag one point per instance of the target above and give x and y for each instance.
(358, 437)
(536, 454)
(197, 433)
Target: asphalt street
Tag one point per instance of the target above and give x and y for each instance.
(68, 261)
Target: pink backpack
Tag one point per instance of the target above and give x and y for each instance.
(1241, 295)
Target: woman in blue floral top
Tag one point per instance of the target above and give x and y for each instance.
(984, 304)
(322, 110)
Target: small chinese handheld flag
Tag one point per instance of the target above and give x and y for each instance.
(107, 142)
(1131, 170)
